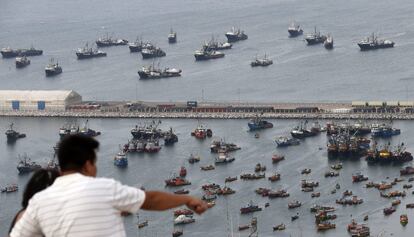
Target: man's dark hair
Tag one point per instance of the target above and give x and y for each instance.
(75, 150)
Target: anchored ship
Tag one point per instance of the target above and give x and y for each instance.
(172, 36)
(235, 35)
(258, 123)
(373, 42)
(107, 41)
(285, 141)
(26, 165)
(86, 52)
(207, 53)
(201, 132)
(302, 132)
(170, 138)
(53, 68)
(150, 72)
(294, 30)
(386, 155)
(138, 45)
(120, 159)
(11, 53)
(328, 44)
(12, 135)
(215, 45)
(261, 62)
(315, 38)
(22, 61)
(384, 130)
(152, 52)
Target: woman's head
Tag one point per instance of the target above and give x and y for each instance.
(40, 180)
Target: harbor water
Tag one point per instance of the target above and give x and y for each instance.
(299, 73)
(150, 171)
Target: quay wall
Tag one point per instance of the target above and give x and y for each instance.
(215, 115)
(223, 110)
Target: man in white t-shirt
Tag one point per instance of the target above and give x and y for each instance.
(78, 204)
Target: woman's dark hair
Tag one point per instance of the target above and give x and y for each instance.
(40, 180)
(75, 150)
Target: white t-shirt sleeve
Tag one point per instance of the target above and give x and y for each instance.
(126, 198)
(28, 224)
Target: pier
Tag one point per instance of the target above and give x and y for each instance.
(226, 110)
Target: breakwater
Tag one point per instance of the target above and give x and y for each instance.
(210, 110)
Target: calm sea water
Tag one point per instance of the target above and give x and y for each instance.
(151, 170)
(299, 73)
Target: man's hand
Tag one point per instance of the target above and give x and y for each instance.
(197, 205)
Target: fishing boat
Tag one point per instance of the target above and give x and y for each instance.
(180, 212)
(294, 204)
(223, 158)
(53, 68)
(279, 227)
(201, 132)
(277, 158)
(10, 188)
(121, 160)
(207, 167)
(177, 233)
(142, 224)
(193, 159)
(25, 165)
(172, 36)
(315, 38)
(235, 35)
(249, 208)
(230, 179)
(329, 42)
(170, 137)
(12, 135)
(87, 52)
(257, 123)
(325, 226)
(183, 171)
(22, 61)
(373, 42)
(283, 141)
(182, 191)
(404, 219)
(389, 210)
(183, 219)
(223, 146)
(177, 181)
(207, 53)
(294, 30)
(263, 62)
(107, 41)
(358, 177)
(407, 170)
